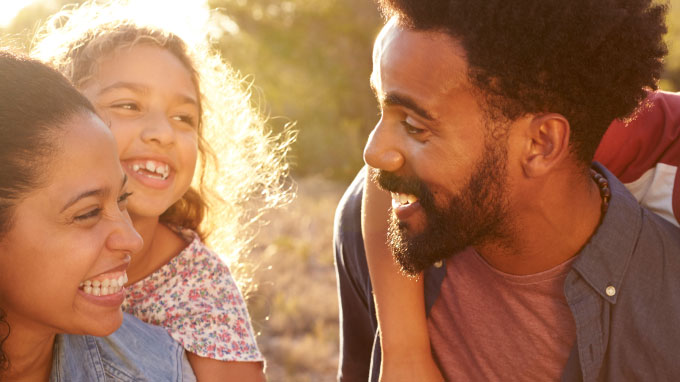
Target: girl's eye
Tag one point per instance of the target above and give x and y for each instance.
(126, 106)
(410, 129)
(88, 215)
(188, 119)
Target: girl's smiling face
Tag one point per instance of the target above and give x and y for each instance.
(149, 100)
(71, 230)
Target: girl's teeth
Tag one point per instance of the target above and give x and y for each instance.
(162, 170)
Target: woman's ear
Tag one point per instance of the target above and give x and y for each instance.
(547, 143)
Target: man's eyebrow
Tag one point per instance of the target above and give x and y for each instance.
(396, 99)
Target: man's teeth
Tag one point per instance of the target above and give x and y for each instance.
(163, 170)
(104, 287)
(404, 199)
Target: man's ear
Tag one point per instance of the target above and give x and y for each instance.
(547, 143)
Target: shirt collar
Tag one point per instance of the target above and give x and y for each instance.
(76, 358)
(603, 261)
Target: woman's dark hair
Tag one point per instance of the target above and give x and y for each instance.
(35, 103)
(589, 60)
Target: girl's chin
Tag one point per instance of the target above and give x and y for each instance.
(144, 209)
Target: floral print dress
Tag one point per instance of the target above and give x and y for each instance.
(195, 298)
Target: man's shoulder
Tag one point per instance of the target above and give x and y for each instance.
(347, 225)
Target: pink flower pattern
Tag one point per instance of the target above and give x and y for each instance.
(195, 298)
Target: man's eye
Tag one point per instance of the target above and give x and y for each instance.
(88, 215)
(410, 128)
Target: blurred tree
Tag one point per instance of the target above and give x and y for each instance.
(671, 77)
(22, 28)
(312, 60)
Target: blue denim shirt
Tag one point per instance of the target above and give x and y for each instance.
(135, 352)
(623, 292)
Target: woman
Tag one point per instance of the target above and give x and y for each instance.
(170, 104)
(64, 227)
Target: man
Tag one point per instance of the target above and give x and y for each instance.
(491, 114)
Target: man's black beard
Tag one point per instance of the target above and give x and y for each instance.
(476, 215)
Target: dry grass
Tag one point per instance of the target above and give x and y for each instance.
(295, 306)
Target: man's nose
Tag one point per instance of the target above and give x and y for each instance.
(382, 149)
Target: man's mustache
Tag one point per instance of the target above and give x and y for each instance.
(391, 182)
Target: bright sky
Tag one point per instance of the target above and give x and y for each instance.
(10, 8)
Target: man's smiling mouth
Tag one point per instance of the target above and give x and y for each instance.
(399, 199)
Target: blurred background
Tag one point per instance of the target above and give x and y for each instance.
(309, 63)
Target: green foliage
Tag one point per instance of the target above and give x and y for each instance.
(671, 77)
(312, 60)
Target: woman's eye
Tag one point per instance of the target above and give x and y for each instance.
(122, 200)
(410, 129)
(88, 215)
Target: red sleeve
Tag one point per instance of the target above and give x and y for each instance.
(651, 137)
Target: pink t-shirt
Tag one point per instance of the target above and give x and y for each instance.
(490, 326)
(196, 300)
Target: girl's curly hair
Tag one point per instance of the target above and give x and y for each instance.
(241, 170)
(589, 60)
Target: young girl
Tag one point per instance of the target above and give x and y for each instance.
(164, 101)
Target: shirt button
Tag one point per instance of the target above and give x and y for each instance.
(611, 291)
(439, 264)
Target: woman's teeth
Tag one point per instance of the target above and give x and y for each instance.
(156, 170)
(403, 199)
(104, 287)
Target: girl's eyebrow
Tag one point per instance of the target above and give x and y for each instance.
(137, 88)
(88, 193)
(141, 89)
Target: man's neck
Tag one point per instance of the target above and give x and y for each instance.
(551, 224)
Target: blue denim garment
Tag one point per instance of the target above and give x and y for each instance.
(623, 292)
(135, 352)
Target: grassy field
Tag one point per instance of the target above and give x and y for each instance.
(295, 306)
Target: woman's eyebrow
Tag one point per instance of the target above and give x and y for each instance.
(85, 194)
(95, 192)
